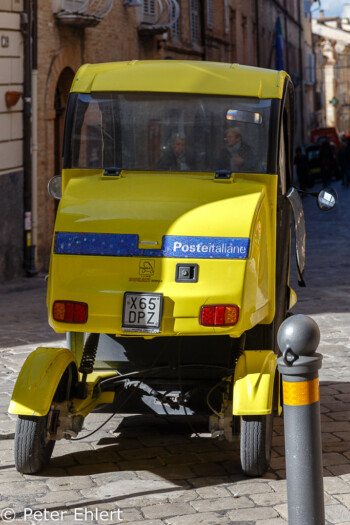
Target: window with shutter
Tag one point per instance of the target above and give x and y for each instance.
(149, 12)
(73, 6)
(226, 16)
(210, 14)
(175, 27)
(194, 12)
(312, 68)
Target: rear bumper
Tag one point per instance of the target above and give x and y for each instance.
(101, 282)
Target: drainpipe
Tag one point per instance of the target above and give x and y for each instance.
(27, 28)
(34, 134)
(301, 85)
(203, 29)
(286, 43)
(257, 33)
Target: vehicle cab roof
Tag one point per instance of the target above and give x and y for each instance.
(177, 76)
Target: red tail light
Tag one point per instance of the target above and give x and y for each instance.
(219, 315)
(70, 312)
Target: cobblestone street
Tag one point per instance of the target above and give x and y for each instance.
(156, 472)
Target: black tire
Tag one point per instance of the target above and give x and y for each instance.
(32, 448)
(256, 443)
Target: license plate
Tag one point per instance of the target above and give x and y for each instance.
(142, 312)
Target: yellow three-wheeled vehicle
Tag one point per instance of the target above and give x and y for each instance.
(169, 270)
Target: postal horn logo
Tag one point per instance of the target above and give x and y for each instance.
(146, 267)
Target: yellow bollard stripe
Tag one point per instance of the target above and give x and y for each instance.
(301, 393)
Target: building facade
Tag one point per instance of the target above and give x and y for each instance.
(149, 30)
(11, 139)
(68, 33)
(332, 51)
(256, 42)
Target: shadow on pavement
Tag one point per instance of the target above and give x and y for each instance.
(179, 448)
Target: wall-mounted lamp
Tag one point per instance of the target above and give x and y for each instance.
(132, 3)
(12, 97)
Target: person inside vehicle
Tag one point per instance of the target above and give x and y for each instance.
(177, 157)
(237, 156)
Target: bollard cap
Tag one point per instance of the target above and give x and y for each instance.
(298, 335)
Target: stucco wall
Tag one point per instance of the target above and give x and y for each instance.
(11, 141)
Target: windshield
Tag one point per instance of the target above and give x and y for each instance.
(167, 132)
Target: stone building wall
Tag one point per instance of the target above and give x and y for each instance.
(332, 49)
(227, 30)
(62, 49)
(11, 141)
(217, 30)
(254, 24)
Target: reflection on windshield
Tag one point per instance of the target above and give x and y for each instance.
(169, 132)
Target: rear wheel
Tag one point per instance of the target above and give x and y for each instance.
(32, 447)
(256, 442)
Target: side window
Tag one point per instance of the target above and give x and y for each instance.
(282, 168)
(88, 152)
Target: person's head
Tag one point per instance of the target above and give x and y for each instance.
(178, 143)
(298, 152)
(232, 136)
(325, 144)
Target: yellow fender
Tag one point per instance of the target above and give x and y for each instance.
(254, 383)
(38, 380)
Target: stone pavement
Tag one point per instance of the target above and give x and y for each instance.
(147, 471)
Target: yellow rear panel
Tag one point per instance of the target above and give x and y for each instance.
(153, 207)
(159, 205)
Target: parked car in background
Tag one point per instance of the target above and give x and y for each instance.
(320, 134)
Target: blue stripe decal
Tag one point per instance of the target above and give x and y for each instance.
(175, 246)
(116, 244)
(202, 247)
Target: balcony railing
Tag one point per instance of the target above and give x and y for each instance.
(158, 16)
(82, 13)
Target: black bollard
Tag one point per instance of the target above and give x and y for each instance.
(298, 339)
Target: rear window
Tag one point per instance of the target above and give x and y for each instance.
(167, 132)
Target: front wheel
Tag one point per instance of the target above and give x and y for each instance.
(256, 443)
(33, 449)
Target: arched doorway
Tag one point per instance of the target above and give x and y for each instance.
(54, 84)
(61, 98)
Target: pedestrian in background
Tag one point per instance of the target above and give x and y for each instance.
(326, 159)
(344, 161)
(347, 164)
(301, 167)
